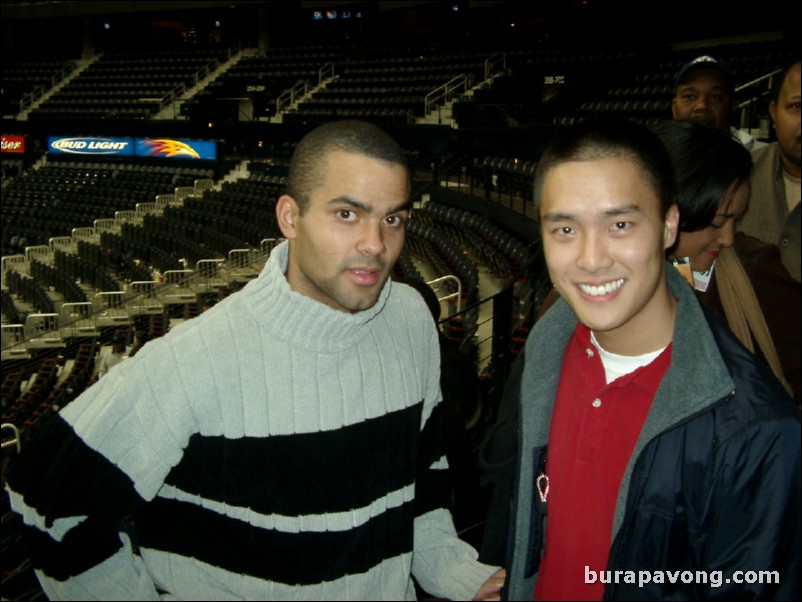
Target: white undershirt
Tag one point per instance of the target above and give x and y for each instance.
(616, 366)
(792, 190)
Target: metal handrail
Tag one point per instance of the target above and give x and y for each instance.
(446, 92)
(754, 82)
(492, 61)
(457, 295)
(300, 88)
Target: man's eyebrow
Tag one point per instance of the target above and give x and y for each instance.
(622, 210)
(366, 208)
(694, 87)
(558, 217)
(613, 212)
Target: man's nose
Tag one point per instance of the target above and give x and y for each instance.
(371, 240)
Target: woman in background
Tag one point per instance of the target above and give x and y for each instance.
(737, 276)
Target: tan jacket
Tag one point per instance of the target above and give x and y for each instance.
(768, 217)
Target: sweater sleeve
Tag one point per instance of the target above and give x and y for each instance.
(443, 565)
(73, 503)
(77, 484)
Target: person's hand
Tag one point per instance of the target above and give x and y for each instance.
(491, 589)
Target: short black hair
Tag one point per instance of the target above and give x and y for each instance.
(595, 139)
(707, 162)
(354, 136)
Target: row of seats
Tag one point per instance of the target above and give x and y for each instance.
(437, 250)
(655, 73)
(55, 198)
(497, 248)
(57, 280)
(129, 244)
(24, 76)
(48, 392)
(95, 91)
(80, 269)
(19, 410)
(124, 266)
(10, 311)
(31, 291)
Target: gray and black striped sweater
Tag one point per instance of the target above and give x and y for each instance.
(271, 448)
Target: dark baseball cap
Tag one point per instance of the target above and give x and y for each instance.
(707, 62)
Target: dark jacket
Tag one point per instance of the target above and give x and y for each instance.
(780, 299)
(713, 483)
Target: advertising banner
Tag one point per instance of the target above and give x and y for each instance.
(13, 144)
(176, 149)
(165, 148)
(94, 146)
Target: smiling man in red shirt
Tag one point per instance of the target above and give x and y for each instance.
(648, 438)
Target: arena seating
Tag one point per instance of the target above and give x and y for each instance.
(265, 78)
(26, 79)
(388, 87)
(129, 85)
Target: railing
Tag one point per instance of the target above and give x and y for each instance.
(164, 200)
(110, 309)
(85, 233)
(62, 243)
(78, 320)
(747, 108)
(183, 192)
(143, 299)
(11, 438)
(510, 189)
(288, 97)
(493, 62)
(42, 331)
(40, 253)
(445, 93)
(108, 224)
(128, 216)
(325, 72)
(209, 276)
(456, 296)
(119, 308)
(495, 338)
(39, 92)
(176, 289)
(14, 342)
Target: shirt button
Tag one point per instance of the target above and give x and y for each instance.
(785, 242)
(589, 352)
(596, 403)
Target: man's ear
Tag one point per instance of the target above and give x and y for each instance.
(773, 111)
(671, 227)
(287, 212)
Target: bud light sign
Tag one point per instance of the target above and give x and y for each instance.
(120, 147)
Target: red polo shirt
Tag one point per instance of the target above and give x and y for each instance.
(593, 432)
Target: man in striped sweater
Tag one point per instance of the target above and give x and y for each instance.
(286, 444)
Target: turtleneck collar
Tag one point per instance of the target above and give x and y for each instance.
(307, 323)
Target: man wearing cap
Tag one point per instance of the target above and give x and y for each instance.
(705, 91)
